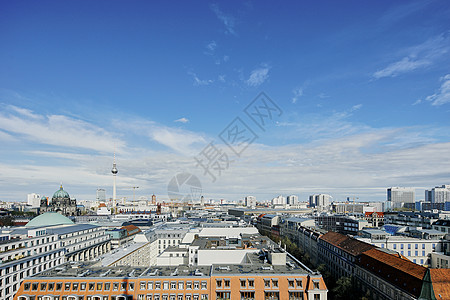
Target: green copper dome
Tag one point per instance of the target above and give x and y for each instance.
(60, 193)
(49, 219)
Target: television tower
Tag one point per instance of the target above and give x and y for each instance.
(114, 172)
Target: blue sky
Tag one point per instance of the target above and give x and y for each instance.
(364, 88)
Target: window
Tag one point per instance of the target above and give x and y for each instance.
(274, 283)
(107, 286)
(165, 285)
(227, 283)
(157, 285)
(423, 246)
(26, 286)
(243, 283)
(204, 285)
(115, 286)
(150, 285)
(83, 286)
(316, 284)
(409, 246)
(189, 285)
(58, 286)
(267, 283)
(416, 253)
(409, 253)
(416, 246)
(142, 285)
(291, 283)
(91, 286)
(180, 285)
(423, 253)
(251, 283)
(75, 286)
(299, 283)
(395, 246)
(131, 286)
(219, 283)
(43, 286)
(173, 285)
(67, 286)
(196, 285)
(317, 297)
(401, 246)
(222, 295)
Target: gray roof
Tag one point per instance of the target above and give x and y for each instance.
(71, 228)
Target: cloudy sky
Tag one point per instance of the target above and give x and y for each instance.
(360, 97)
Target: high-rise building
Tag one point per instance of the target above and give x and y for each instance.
(34, 200)
(250, 201)
(397, 197)
(320, 201)
(280, 200)
(292, 200)
(439, 194)
(101, 195)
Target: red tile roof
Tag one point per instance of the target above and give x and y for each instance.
(131, 229)
(348, 244)
(379, 213)
(440, 279)
(400, 272)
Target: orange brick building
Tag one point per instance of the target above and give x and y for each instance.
(253, 280)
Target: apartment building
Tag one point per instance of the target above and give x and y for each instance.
(268, 272)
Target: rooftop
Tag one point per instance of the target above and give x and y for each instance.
(348, 244)
(49, 219)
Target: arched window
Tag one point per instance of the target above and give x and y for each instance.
(22, 298)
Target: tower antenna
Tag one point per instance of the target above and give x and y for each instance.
(114, 171)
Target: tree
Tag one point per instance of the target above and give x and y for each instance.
(344, 289)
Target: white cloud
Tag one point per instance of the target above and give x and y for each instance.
(258, 76)
(57, 130)
(198, 81)
(298, 92)
(182, 120)
(356, 107)
(443, 95)
(211, 46)
(405, 65)
(227, 20)
(418, 56)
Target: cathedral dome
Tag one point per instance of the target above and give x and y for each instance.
(60, 194)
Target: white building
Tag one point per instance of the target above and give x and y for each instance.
(439, 194)
(34, 200)
(101, 195)
(320, 201)
(397, 197)
(25, 253)
(280, 200)
(250, 201)
(292, 200)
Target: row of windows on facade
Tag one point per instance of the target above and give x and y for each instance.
(29, 263)
(116, 286)
(4, 292)
(30, 252)
(295, 295)
(92, 236)
(120, 297)
(19, 245)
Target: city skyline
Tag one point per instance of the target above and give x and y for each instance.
(362, 88)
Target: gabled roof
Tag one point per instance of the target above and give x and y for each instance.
(440, 278)
(398, 271)
(347, 244)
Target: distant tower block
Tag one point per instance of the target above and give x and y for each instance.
(114, 171)
(202, 201)
(153, 199)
